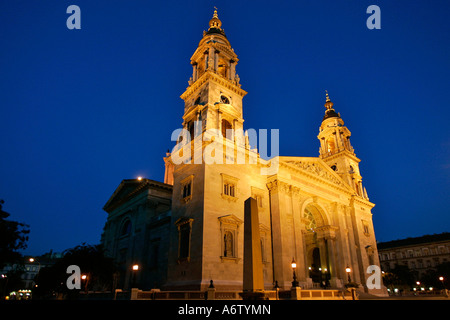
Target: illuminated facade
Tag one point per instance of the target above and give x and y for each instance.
(313, 210)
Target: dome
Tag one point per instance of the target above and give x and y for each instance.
(329, 113)
(215, 25)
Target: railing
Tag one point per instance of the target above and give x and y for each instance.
(212, 294)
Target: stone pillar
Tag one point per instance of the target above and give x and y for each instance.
(194, 71)
(211, 60)
(216, 60)
(219, 120)
(205, 56)
(233, 69)
(253, 282)
(331, 247)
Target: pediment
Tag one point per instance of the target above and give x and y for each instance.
(230, 219)
(122, 192)
(316, 168)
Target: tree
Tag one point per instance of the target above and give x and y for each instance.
(13, 237)
(99, 271)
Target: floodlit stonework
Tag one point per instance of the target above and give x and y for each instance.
(189, 230)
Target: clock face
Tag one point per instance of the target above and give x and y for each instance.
(224, 100)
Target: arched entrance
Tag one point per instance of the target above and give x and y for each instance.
(316, 253)
(315, 269)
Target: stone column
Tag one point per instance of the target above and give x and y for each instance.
(205, 56)
(211, 63)
(216, 60)
(331, 248)
(219, 120)
(233, 69)
(194, 71)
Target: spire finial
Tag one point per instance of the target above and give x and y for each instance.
(215, 21)
(328, 103)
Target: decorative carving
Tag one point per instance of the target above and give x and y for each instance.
(316, 169)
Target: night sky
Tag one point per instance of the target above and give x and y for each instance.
(83, 109)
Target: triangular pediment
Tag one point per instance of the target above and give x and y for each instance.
(315, 167)
(122, 192)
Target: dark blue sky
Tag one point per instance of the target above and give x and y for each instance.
(80, 110)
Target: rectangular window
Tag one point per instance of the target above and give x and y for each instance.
(185, 231)
(229, 189)
(184, 226)
(187, 190)
(186, 186)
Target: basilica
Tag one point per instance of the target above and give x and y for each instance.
(188, 230)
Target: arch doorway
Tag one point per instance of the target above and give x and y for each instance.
(314, 218)
(315, 272)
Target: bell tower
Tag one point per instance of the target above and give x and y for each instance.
(336, 150)
(214, 95)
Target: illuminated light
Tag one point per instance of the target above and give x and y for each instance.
(135, 267)
(293, 264)
(84, 277)
(31, 259)
(348, 270)
(139, 178)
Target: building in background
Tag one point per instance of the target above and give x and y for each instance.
(184, 232)
(18, 279)
(419, 254)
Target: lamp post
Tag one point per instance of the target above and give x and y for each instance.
(294, 266)
(348, 270)
(134, 268)
(84, 278)
(32, 260)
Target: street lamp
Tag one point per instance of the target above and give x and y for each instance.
(294, 266)
(348, 270)
(135, 268)
(84, 278)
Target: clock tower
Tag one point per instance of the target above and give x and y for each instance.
(214, 95)
(336, 150)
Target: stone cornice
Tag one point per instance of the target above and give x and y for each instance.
(361, 201)
(211, 76)
(343, 152)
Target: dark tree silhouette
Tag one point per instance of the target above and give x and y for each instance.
(13, 237)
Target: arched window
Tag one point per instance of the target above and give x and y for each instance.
(126, 228)
(225, 125)
(331, 145)
(311, 222)
(228, 244)
(222, 68)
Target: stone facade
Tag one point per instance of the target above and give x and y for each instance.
(313, 210)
